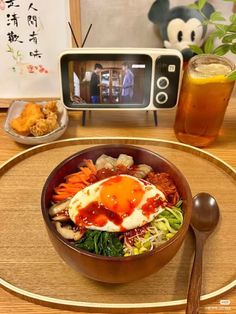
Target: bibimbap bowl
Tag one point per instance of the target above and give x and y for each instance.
(139, 222)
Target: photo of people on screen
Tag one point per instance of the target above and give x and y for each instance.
(105, 82)
(128, 84)
(95, 84)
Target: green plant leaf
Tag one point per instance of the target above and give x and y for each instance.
(209, 45)
(218, 33)
(232, 18)
(216, 16)
(232, 76)
(232, 28)
(196, 49)
(221, 27)
(222, 50)
(193, 6)
(233, 48)
(201, 4)
(228, 38)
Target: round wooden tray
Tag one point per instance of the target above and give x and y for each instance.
(31, 268)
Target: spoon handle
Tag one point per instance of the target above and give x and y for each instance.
(194, 291)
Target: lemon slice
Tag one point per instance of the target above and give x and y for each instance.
(210, 73)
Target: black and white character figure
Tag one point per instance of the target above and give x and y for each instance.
(180, 26)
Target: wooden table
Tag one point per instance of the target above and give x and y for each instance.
(131, 124)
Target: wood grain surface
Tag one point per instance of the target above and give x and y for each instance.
(137, 124)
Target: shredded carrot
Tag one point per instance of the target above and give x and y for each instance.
(67, 190)
(75, 185)
(60, 198)
(86, 171)
(91, 166)
(75, 182)
(78, 178)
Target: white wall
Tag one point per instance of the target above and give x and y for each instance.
(124, 23)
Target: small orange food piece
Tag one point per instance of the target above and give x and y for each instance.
(45, 126)
(22, 124)
(50, 106)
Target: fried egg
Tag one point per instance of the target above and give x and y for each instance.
(116, 204)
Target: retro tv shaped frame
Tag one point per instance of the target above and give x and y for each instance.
(125, 79)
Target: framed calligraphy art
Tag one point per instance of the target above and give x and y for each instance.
(33, 33)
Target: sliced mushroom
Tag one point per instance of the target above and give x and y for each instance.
(125, 160)
(67, 232)
(105, 161)
(61, 217)
(59, 207)
(142, 170)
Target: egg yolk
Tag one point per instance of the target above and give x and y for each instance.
(121, 194)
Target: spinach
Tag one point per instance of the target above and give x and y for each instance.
(101, 242)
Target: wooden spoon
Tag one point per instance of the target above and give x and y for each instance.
(205, 217)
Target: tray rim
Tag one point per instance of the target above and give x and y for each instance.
(116, 307)
(95, 306)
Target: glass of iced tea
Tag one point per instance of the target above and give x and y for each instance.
(204, 96)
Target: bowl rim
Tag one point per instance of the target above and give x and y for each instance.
(183, 229)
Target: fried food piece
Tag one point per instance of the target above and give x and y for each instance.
(40, 128)
(51, 106)
(45, 126)
(36, 120)
(28, 117)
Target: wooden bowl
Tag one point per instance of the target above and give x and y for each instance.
(116, 269)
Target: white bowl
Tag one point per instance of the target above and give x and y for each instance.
(15, 110)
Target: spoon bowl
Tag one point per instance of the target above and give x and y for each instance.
(205, 217)
(205, 214)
